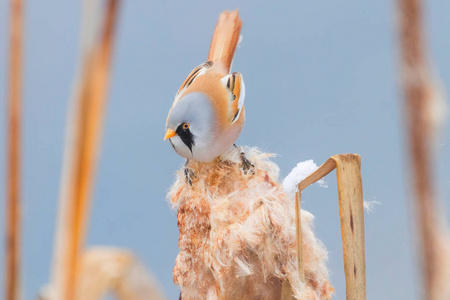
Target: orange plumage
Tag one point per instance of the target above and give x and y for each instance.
(224, 92)
(225, 39)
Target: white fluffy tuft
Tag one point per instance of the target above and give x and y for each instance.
(369, 205)
(299, 173)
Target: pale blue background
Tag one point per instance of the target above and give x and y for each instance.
(321, 79)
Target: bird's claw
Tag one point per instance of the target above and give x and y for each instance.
(190, 175)
(247, 166)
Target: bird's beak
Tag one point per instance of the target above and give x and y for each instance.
(169, 133)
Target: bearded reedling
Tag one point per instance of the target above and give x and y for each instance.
(207, 115)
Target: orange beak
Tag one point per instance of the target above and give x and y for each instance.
(169, 133)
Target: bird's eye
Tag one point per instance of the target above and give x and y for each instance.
(186, 126)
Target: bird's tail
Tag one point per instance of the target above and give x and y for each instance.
(225, 39)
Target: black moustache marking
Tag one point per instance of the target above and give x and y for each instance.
(186, 136)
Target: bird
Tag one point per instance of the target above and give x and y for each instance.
(208, 114)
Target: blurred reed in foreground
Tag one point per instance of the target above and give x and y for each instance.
(79, 273)
(423, 112)
(13, 187)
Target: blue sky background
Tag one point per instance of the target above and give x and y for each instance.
(321, 79)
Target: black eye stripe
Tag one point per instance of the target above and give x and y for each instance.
(186, 136)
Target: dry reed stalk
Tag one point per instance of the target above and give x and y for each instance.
(420, 104)
(298, 226)
(85, 126)
(351, 213)
(106, 268)
(13, 236)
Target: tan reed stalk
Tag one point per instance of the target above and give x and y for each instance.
(81, 157)
(13, 232)
(420, 98)
(298, 226)
(351, 212)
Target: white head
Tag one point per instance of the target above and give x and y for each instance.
(191, 128)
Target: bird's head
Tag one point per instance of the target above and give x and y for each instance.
(202, 123)
(191, 126)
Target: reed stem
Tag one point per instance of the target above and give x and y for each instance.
(420, 98)
(13, 231)
(81, 158)
(351, 211)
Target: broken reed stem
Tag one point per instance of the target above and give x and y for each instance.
(419, 95)
(81, 157)
(322, 171)
(13, 236)
(298, 225)
(351, 211)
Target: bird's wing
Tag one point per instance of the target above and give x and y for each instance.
(199, 70)
(235, 85)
